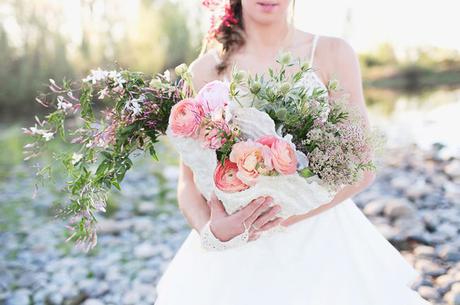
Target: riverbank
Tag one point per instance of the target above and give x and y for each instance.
(415, 78)
(414, 203)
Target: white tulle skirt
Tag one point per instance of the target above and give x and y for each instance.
(337, 257)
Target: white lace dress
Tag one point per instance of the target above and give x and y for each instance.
(337, 257)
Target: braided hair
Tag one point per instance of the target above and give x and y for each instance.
(230, 33)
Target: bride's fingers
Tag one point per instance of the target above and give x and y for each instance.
(259, 211)
(253, 235)
(272, 223)
(266, 217)
(248, 210)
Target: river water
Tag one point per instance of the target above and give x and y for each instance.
(424, 118)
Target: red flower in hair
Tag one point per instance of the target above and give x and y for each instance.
(221, 14)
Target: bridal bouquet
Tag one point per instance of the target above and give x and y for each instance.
(263, 135)
(271, 135)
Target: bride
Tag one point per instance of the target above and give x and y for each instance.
(329, 256)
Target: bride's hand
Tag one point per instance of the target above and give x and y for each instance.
(258, 215)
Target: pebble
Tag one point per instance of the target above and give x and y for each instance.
(93, 302)
(398, 207)
(428, 292)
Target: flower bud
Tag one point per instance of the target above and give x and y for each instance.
(155, 83)
(284, 88)
(255, 87)
(305, 66)
(285, 58)
(281, 113)
(181, 69)
(305, 172)
(333, 84)
(239, 76)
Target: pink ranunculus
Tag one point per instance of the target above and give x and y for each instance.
(185, 118)
(252, 159)
(213, 135)
(213, 96)
(226, 179)
(284, 158)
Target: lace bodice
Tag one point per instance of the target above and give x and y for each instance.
(311, 79)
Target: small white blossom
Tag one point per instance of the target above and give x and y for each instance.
(96, 75)
(48, 136)
(76, 158)
(167, 75)
(103, 93)
(117, 78)
(134, 105)
(63, 104)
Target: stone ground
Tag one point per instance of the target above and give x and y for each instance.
(415, 203)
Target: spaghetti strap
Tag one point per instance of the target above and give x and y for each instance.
(313, 48)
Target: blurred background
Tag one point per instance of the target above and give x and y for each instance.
(410, 60)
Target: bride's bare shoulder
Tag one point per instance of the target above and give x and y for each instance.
(203, 68)
(335, 55)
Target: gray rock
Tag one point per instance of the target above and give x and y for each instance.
(146, 207)
(111, 226)
(418, 190)
(452, 298)
(145, 250)
(429, 268)
(428, 292)
(93, 302)
(449, 253)
(401, 182)
(93, 288)
(425, 251)
(131, 297)
(19, 297)
(398, 207)
(445, 282)
(375, 207)
(455, 287)
(147, 275)
(453, 169)
(448, 230)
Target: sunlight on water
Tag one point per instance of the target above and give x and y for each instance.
(422, 120)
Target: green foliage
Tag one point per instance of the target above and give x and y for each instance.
(43, 48)
(99, 149)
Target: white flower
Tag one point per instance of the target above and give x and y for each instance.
(167, 75)
(63, 104)
(117, 78)
(96, 75)
(76, 158)
(134, 105)
(103, 93)
(35, 130)
(48, 136)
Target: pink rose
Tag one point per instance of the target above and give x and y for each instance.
(226, 179)
(252, 159)
(284, 158)
(214, 134)
(185, 118)
(213, 96)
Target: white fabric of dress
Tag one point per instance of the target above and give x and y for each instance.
(337, 257)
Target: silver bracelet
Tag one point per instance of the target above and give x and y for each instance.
(211, 243)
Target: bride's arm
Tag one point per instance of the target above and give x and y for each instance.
(345, 68)
(191, 203)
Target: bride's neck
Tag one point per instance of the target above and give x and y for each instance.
(263, 37)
